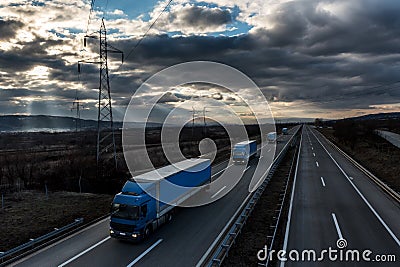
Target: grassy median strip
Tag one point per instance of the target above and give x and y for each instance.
(254, 235)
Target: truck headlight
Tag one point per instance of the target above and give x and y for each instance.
(134, 235)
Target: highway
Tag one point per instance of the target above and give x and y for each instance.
(331, 200)
(393, 138)
(182, 242)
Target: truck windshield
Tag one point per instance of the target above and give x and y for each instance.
(123, 211)
(238, 153)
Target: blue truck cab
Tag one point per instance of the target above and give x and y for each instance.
(243, 151)
(136, 213)
(130, 211)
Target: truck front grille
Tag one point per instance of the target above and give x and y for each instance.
(122, 227)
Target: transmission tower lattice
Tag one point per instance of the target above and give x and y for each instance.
(105, 124)
(77, 105)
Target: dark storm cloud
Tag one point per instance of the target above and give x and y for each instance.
(156, 49)
(16, 92)
(204, 17)
(32, 53)
(8, 28)
(328, 59)
(366, 27)
(309, 55)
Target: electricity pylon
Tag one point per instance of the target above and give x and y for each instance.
(77, 105)
(105, 124)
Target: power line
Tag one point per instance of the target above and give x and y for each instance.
(90, 15)
(143, 36)
(106, 5)
(151, 26)
(102, 10)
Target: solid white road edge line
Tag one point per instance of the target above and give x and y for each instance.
(362, 196)
(201, 261)
(83, 252)
(285, 243)
(59, 242)
(203, 258)
(219, 191)
(144, 253)
(337, 226)
(93, 225)
(323, 182)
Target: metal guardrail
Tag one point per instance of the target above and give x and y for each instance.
(395, 195)
(33, 242)
(222, 248)
(281, 206)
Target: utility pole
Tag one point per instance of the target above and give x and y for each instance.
(193, 117)
(204, 122)
(105, 123)
(77, 105)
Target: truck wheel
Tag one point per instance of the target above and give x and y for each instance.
(169, 217)
(147, 231)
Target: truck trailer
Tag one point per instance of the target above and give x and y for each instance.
(135, 213)
(243, 151)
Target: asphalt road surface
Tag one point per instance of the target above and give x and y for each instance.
(393, 138)
(182, 242)
(334, 200)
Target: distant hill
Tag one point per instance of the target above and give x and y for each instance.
(379, 116)
(46, 123)
(39, 123)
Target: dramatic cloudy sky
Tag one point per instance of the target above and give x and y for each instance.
(311, 58)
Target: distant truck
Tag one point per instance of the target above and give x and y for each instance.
(135, 213)
(285, 131)
(243, 151)
(271, 137)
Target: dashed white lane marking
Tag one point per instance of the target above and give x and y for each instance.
(337, 226)
(316, 163)
(84, 252)
(219, 191)
(144, 253)
(362, 196)
(323, 182)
